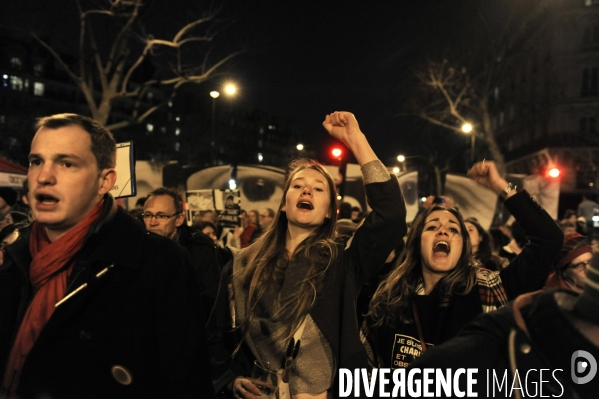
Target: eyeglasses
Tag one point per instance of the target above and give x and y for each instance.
(580, 266)
(159, 217)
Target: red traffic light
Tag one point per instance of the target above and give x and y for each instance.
(336, 152)
(553, 172)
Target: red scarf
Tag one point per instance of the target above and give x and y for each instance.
(49, 271)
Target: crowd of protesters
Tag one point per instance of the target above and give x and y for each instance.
(98, 302)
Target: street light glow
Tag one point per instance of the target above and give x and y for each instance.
(300, 147)
(396, 170)
(401, 158)
(214, 94)
(466, 128)
(230, 89)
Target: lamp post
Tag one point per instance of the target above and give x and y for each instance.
(214, 94)
(230, 90)
(467, 128)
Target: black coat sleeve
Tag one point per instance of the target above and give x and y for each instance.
(529, 270)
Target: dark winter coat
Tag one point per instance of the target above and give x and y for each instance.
(535, 332)
(140, 321)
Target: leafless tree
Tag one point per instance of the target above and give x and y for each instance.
(460, 86)
(108, 64)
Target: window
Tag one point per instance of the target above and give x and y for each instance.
(38, 69)
(16, 62)
(177, 146)
(590, 2)
(588, 125)
(16, 83)
(38, 89)
(590, 82)
(590, 37)
(177, 131)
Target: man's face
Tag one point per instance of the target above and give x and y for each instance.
(64, 180)
(162, 205)
(265, 218)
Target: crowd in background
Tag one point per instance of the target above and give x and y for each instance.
(356, 287)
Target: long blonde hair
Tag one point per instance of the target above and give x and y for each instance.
(265, 261)
(395, 292)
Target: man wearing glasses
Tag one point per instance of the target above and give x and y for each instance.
(570, 268)
(163, 215)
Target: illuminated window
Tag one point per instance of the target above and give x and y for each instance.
(16, 83)
(38, 69)
(16, 62)
(38, 89)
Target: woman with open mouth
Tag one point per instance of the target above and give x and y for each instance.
(438, 286)
(297, 283)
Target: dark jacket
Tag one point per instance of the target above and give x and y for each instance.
(335, 309)
(141, 319)
(207, 260)
(540, 333)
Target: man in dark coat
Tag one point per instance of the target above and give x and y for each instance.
(163, 215)
(91, 305)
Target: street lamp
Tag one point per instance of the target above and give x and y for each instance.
(467, 128)
(299, 147)
(230, 90)
(214, 94)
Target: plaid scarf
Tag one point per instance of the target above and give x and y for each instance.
(491, 291)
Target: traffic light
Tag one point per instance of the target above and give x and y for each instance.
(336, 152)
(553, 172)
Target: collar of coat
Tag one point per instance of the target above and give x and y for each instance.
(114, 238)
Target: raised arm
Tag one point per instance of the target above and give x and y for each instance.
(529, 270)
(385, 226)
(344, 127)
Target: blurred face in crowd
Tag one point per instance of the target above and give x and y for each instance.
(475, 237)
(265, 218)
(575, 273)
(209, 231)
(65, 183)
(253, 217)
(243, 218)
(161, 217)
(440, 243)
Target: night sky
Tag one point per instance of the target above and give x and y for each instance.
(315, 57)
(305, 58)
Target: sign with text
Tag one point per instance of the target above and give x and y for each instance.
(125, 185)
(225, 202)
